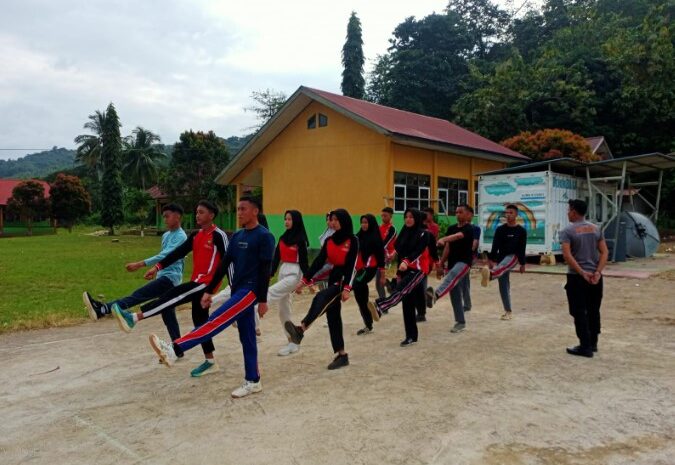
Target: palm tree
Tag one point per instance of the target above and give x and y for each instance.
(89, 145)
(141, 156)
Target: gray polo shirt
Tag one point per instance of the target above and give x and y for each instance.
(583, 237)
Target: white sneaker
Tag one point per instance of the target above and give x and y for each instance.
(249, 387)
(289, 349)
(164, 350)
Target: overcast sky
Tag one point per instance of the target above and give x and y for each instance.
(170, 65)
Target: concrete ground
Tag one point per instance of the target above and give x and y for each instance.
(503, 392)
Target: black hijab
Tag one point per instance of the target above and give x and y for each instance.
(346, 230)
(297, 234)
(409, 234)
(262, 219)
(369, 241)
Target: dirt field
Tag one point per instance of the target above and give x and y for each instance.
(503, 392)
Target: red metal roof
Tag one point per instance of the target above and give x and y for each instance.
(7, 185)
(414, 125)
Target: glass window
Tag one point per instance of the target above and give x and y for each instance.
(311, 122)
(323, 120)
(411, 190)
(452, 192)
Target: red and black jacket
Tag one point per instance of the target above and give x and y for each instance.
(342, 255)
(296, 253)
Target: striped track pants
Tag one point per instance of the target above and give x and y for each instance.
(450, 280)
(507, 264)
(405, 286)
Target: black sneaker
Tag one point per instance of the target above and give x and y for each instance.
(421, 318)
(580, 351)
(430, 296)
(407, 342)
(296, 333)
(364, 331)
(594, 348)
(389, 286)
(94, 307)
(339, 362)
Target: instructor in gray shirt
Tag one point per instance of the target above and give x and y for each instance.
(585, 252)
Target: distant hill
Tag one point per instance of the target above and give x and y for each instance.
(37, 165)
(41, 164)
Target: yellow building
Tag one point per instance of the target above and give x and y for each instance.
(323, 151)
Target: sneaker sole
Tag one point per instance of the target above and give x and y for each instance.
(373, 311)
(158, 351)
(89, 307)
(122, 322)
(246, 395)
(453, 330)
(296, 338)
(485, 277)
(214, 369)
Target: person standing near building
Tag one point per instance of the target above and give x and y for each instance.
(166, 279)
(585, 251)
(508, 250)
(340, 250)
(208, 246)
(457, 253)
(465, 284)
(388, 234)
(411, 246)
(250, 254)
(290, 258)
(369, 262)
(433, 229)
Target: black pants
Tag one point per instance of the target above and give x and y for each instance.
(328, 301)
(410, 303)
(584, 301)
(187, 292)
(360, 288)
(421, 304)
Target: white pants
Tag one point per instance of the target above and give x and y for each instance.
(223, 296)
(281, 292)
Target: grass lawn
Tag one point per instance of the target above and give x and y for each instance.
(42, 278)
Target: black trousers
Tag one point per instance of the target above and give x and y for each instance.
(584, 301)
(360, 288)
(187, 292)
(328, 301)
(410, 303)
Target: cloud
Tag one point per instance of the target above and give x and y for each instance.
(170, 65)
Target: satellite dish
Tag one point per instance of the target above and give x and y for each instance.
(641, 236)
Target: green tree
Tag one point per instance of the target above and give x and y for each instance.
(69, 200)
(425, 65)
(28, 202)
(551, 143)
(485, 23)
(142, 157)
(353, 82)
(137, 205)
(267, 103)
(112, 213)
(196, 161)
(89, 145)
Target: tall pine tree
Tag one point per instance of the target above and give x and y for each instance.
(353, 82)
(111, 209)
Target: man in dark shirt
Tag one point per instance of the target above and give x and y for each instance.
(250, 252)
(508, 250)
(457, 251)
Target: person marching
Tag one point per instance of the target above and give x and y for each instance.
(585, 251)
(388, 234)
(508, 250)
(411, 246)
(458, 254)
(369, 262)
(340, 250)
(208, 246)
(166, 279)
(250, 254)
(465, 284)
(291, 253)
(432, 260)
